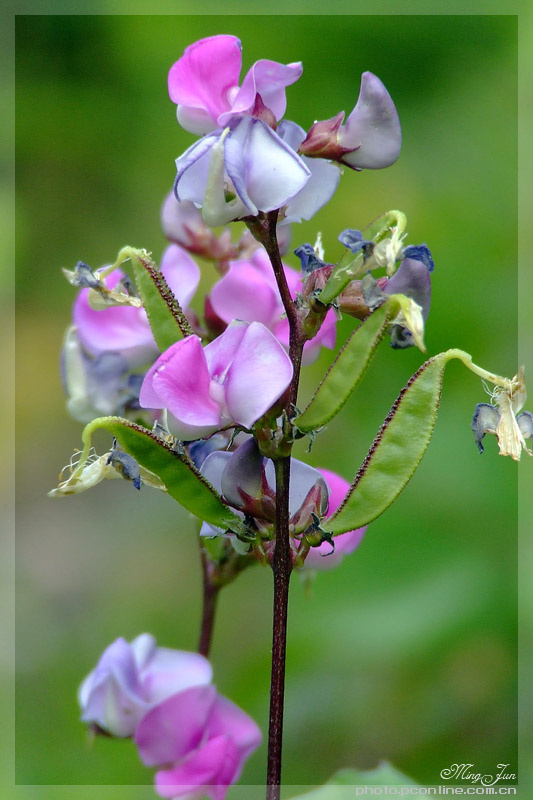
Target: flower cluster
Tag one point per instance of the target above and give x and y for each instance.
(206, 392)
(197, 739)
(250, 159)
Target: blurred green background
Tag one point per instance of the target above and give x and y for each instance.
(407, 651)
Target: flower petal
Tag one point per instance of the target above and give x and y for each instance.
(228, 719)
(204, 772)
(220, 353)
(124, 329)
(320, 187)
(111, 695)
(303, 478)
(373, 127)
(268, 79)
(243, 293)
(171, 671)
(203, 76)
(170, 730)
(193, 170)
(265, 171)
(181, 273)
(179, 380)
(259, 374)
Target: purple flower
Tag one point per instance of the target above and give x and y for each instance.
(371, 137)
(248, 483)
(234, 380)
(239, 171)
(95, 386)
(248, 291)
(323, 557)
(125, 329)
(131, 679)
(204, 83)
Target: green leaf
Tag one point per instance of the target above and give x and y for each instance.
(183, 481)
(353, 265)
(396, 451)
(341, 785)
(347, 369)
(165, 315)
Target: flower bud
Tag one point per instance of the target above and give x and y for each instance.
(371, 137)
(182, 223)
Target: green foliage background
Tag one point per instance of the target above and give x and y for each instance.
(406, 652)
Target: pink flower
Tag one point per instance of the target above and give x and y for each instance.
(204, 83)
(322, 557)
(125, 329)
(248, 291)
(204, 738)
(131, 679)
(234, 380)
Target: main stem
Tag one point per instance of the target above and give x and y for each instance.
(264, 230)
(282, 566)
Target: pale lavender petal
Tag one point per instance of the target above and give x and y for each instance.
(171, 671)
(182, 222)
(111, 695)
(243, 293)
(303, 478)
(318, 190)
(259, 374)
(205, 74)
(265, 172)
(268, 79)
(213, 467)
(181, 273)
(220, 353)
(320, 187)
(143, 648)
(236, 161)
(373, 127)
(243, 473)
(206, 770)
(170, 730)
(193, 170)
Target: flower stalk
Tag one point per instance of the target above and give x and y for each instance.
(264, 230)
